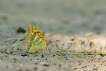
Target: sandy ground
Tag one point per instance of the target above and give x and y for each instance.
(65, 24)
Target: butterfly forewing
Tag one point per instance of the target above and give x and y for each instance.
(37, 32)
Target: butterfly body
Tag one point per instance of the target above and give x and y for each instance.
(34, 40)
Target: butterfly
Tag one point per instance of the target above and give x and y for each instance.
(34, 40)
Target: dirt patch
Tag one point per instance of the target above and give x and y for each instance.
(64, 24)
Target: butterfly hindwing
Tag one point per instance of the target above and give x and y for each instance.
(34, 40)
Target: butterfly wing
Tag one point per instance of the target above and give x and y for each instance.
(34, 40)
(35, 30)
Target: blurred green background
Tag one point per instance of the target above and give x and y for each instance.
(54, 16)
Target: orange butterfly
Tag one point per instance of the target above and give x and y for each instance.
(34, 40)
